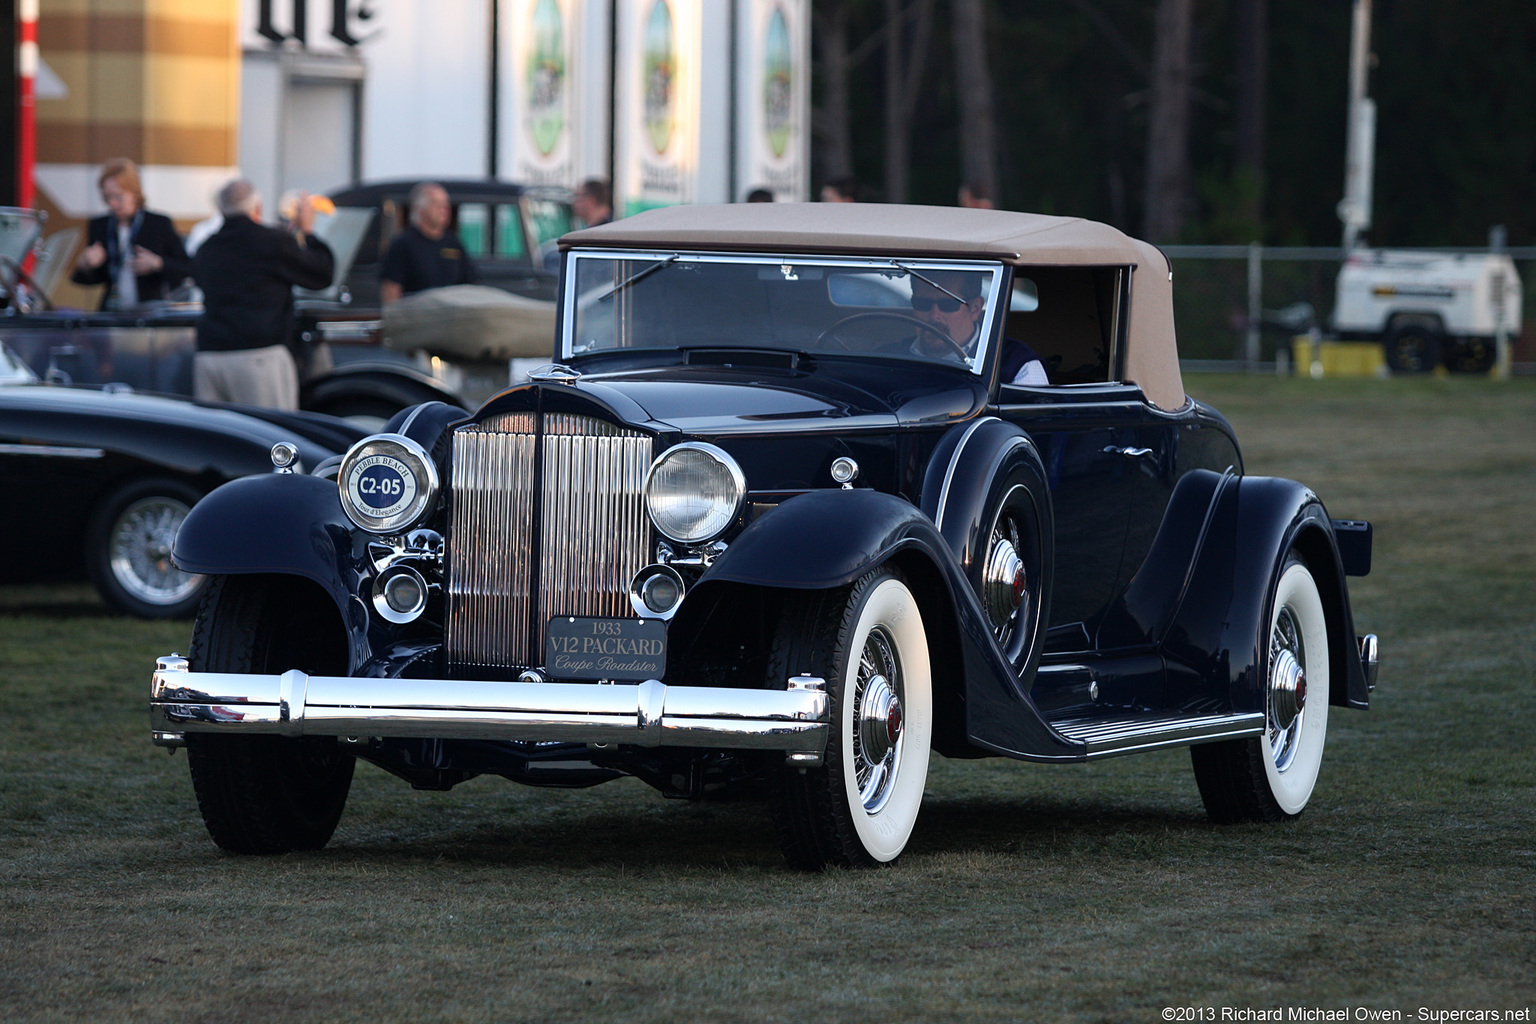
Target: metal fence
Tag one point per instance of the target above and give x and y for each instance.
(1238, 306)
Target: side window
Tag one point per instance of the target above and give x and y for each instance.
(509, 233)
(1067, 315)
(475, 228)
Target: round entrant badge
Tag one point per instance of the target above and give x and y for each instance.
(381, 485)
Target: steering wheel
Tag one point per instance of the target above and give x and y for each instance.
(12, 276)
(905, 318)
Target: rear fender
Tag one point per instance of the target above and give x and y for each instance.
(1221, 596)
(824, 540)
(285, 524)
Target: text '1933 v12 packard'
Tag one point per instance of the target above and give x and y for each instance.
(809, 492)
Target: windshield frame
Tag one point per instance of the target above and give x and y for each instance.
(896, 267)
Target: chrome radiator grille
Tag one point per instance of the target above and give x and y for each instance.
(540, 524)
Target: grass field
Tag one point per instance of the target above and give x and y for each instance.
(1029, 893)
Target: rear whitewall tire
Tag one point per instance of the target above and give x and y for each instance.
(1271, 777)
(1295, 754)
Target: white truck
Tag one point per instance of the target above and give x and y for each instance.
(1429, 309)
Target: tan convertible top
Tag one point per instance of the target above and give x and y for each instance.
(879, 229)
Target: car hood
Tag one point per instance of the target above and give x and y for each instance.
(164, 429)
(723, 400)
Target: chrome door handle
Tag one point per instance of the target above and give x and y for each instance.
(1134, 453)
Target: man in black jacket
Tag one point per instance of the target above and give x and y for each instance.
(247, 272)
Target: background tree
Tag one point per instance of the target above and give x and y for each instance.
(1168, 125)
(973, 88)
(1073, 94)
(830, 126)
(907, 32)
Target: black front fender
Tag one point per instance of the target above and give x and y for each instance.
(279, 523)
(822, 540)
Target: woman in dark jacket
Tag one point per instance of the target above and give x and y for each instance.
(137, 254)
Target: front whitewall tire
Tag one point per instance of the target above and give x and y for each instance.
(884, 814)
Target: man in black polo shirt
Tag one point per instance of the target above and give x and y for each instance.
(426, 254)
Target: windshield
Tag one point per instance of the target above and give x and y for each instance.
(932, 310)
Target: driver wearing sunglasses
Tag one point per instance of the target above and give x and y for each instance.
(951, 301)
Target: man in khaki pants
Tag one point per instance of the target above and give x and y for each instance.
(247, 272)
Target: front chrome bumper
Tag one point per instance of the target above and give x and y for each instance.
(648, 714)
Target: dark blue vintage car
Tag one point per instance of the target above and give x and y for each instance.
(811, 491)
(97, 480)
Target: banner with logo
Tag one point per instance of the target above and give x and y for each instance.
(541, 59)
(773, 98)
(657, 103)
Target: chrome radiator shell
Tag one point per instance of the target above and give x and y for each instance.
(544, 519)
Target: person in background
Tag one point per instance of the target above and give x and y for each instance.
(247, 272)
(974, 195)
(137, 254)
(428, 253)
(760, 195)
(840, 190)
(593, 202)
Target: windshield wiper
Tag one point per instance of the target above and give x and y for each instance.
(637, 276)
(925, 279)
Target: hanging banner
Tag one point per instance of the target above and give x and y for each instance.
(773, 98)
(656, 102)
(541, 58)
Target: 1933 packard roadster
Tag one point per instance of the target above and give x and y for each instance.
(779, 512)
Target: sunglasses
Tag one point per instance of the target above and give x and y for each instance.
(946, 305)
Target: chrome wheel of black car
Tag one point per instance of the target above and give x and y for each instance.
(1271, 777)
(266, 794)
(130, 540)
(1010, 573)
(869, 644)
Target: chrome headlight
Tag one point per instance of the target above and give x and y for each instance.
(388, 483)
(693, 492)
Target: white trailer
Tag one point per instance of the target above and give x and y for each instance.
(1429, 309)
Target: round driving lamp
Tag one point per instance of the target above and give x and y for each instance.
(693, 492)
(400, 594)
(656, 591)
(388, 484)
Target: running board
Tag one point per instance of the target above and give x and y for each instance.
(1109, 735)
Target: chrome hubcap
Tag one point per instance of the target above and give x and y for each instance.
(877, 727)
(140, 549)
(1287, 689)
(1005, 583)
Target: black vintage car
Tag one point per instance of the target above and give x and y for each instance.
(506, 229)
(811, 492)
(97, 480)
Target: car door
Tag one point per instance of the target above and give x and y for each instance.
(1080, 432)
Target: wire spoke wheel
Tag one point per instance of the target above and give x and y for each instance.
(140, 551)
(1271, 777)
(868, 642)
